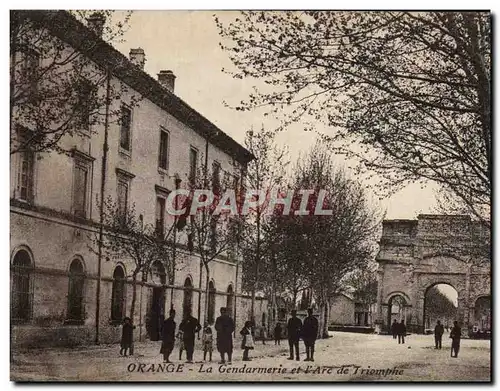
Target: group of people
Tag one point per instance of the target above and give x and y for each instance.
(455, 335)
(399, 330)
(224, 328)
(189, 327)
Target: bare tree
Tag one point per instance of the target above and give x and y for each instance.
(56, 90)
(127, 238)
(211, 234)
(263, 175)
(408, 93)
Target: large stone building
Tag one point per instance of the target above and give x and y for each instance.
(416, 255)
(158, 143)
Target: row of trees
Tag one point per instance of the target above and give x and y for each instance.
(302, 252)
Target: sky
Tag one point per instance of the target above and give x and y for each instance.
(187, 43)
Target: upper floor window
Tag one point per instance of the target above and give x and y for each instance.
(163, 155)
(124, 179)
(160, 216)
(216, 176)
(125, 129)
(193, 161)
(85, 102)
(80, 189)
(28, 62)
(25, 183)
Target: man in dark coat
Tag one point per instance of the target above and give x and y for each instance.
(224, 326)
(309, 334)
(189, 326)
(277, 334)
(394, 329)
(401, 332)
(127, 337)
(455, 335)
(294, 328)
(168, 336)
(438, 334)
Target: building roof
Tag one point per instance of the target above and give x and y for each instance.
(66, 27)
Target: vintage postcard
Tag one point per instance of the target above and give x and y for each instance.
(250, 196)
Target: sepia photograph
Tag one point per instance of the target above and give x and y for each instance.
(257, 196)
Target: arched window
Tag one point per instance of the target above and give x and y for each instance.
(187, 302)
(118, 294)
(229, 302)
(22, 270)
(75, 291)
(211, 302)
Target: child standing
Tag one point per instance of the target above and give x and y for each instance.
(207, 342)
(247, 342)
(180, 337)
(127, 336)
(263, 334)
(277, 334)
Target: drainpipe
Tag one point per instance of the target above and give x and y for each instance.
(105, 148)
(201, 260)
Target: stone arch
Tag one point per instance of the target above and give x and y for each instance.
(22, 247)
(427, 322)
(76, 287)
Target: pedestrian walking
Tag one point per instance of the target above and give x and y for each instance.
(294, 329)
(180, 337)
(189, 326)
(168, 336)
(438, 334)
(207, 339)
(247, 341)
(224, 325)
(277, 334)
(401, 332)
(263, 334)
(455, 335)
(394, 329)
(309, 334)
(127, 336)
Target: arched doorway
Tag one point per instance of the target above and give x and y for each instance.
(75, 292)
(187, 301)
(482, 314)
(440, 303)
(229, 300)
(211, 302)
(118, 294)
(21, 289)
(157, 305)
(396, 309)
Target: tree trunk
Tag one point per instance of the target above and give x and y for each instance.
(326, 318)
(207, 292)
(132, 306)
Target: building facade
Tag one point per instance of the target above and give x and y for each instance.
(62, 292)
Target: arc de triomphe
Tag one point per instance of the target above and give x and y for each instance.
(416, 255)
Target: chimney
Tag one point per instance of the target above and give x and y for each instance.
(95, 22)
(137, 57)
(167, 80)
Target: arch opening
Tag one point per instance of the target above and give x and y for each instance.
(397, 309)
(118, 294)
(440, 304)
(22, 274)
(481, 324)
(75, 291)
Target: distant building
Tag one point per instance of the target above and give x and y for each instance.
(346, 311)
